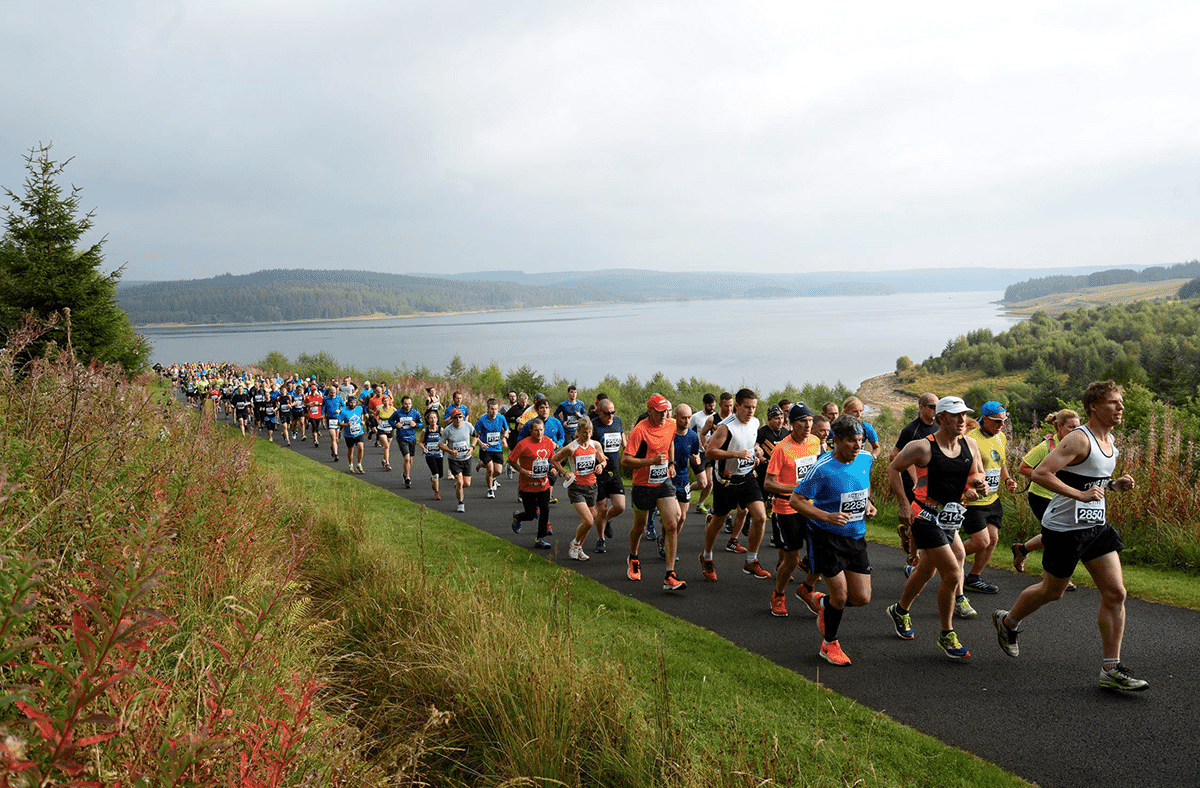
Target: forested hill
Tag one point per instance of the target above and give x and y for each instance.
(1047, 285)
(287, 295)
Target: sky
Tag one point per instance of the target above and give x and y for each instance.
(456, 135)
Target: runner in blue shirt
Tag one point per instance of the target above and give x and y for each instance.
(569, 412)
(456, 401)
(835, 497)
(491, 430)
(330, 408)
(406, 420)
(352, 420)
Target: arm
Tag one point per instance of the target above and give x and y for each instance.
(772, 484)
(977, 485)
(915, 453)
(557, 459)
(801, 504)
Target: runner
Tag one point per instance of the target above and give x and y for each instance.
(650, 455)
(733, 446)
(610, 487)
(531, 458)
(313, 403)
(830, 411)
(687, 457)
(1075, 529)
(821, 430)
(853, 406)
(384, 428)
(570, 411)
(241, 407)
(586, 458)
(270, 412)
(835, 497)
(790, 462)
(1064, 421)
(986, 516)
(704, 477)
(950, 462)
(352, 421)
(920, 427)
(431, 439)
(457, 441)
(331, 407)
(456, 401)
(406, 420)
(519, 404)
(491, 429)
(768, 436)
(285, 412)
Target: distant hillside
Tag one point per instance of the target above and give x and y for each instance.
(292, 295)
(1049, 285)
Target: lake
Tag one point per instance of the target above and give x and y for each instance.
(760, 343)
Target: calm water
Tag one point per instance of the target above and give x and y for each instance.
(760, 343)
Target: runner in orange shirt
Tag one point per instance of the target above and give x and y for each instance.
(650, 453)
(790, 461)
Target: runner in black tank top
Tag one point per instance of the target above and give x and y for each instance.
(936, 516)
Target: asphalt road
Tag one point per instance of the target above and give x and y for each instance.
(1040, 715)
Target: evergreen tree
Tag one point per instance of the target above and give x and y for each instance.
(44, 272)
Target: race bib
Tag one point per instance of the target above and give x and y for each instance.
(585, 464)
(431, 447)
(658, 473)
(1090, 512)
(855, 504)
(950, 516)
(803, 466)
(493, 438)
(745, 466)
(462, 449)
(993, 479)
(612, 442)
(572, 420)
(540, 468)
(332, 423)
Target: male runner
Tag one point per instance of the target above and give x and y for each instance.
(313, 403)
(950, 462)
(458, 438)
(1075, 529)
(687, 457)
(790, 462)
(732, 445)
(352, 420)
(650, 454)
(570, 411)
(406, 420)
(491, 429)
(916, 429)
(610, 493)
(704, 477)
(835, 497)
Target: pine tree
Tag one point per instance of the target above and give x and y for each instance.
(44, 272)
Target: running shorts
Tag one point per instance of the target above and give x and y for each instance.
(830, 553)
(646, 498)
(979, 517)
(1063, 550)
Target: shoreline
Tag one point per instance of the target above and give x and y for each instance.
(378, 316)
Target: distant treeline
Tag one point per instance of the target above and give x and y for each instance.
(289, 295)
(1048, 285)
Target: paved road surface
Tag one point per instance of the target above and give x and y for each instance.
(1041, 715)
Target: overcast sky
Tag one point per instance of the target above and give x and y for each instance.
(455, 136)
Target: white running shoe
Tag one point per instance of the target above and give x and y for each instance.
(576, 551)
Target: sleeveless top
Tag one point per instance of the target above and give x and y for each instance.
(741, 437)
(939, 490)
(1068, 514)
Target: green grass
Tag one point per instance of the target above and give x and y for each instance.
(544, 674)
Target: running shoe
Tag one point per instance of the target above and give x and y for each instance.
(549, 528)
(349, 469)
(553, 501)
(608, 531)
(462, 507)
(901, 621)
(805, 594)
(1018, 556)
(708, 569)
(729, 524)
(949, 643)
(576, 551)
(672, 582)
(1072, 587)
(819, 601)
(963, 609)
(1120, 678)
(601, 546)
(361, 470)
(778, 605)
(702, 509)
(662, 547)
(651, 533)
(755, 569)
(1006, 636)
(904, 533)
(732, 546)
(634, 568)
(979, 585)
(407, 483)
(516, 522)
(909, 569)
(437, 496)
(304, 438)
(491, 494)
(289, 443)
(833, 654)
(542, 544)
(316, 445)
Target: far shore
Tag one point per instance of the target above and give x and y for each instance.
(380, 316)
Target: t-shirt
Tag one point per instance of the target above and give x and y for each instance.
(1035, 457)
(646, 441)
(915, 430)
(992, 451)
(790, 462)
(459, 440)
(570, 413)
(331, 406)
(686, 445)
(431, 440)
(554, 431)
(609, 437)
(460, 406)
(835, 486)
(768, 438)
(314, 402)
(352, 420)
(406, 423)
(535, 458)
(384, 415)
(490, 430)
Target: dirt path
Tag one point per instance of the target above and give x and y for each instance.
(880, 392)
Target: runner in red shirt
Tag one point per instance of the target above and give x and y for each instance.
(584, 459)
(531, 458)
(650, 453)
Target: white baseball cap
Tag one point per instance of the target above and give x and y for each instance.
(952, 405)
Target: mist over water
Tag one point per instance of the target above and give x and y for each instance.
(760, 343)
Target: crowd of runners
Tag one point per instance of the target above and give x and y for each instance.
(804, 473)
